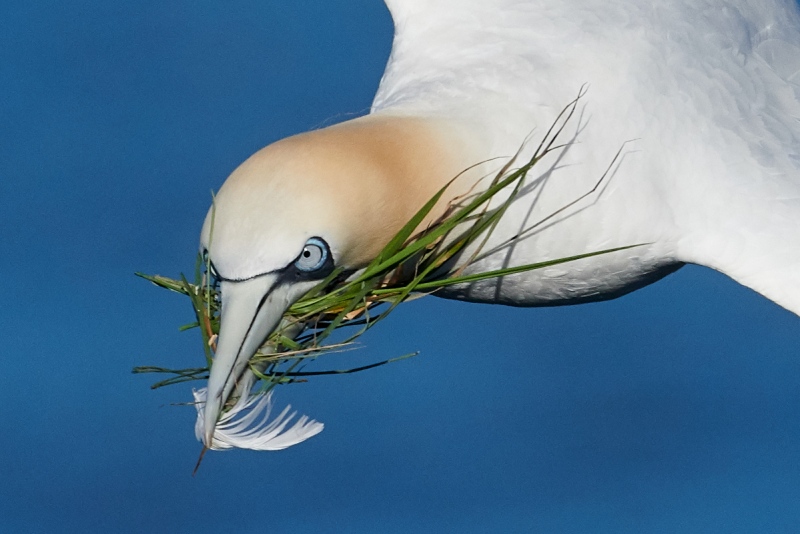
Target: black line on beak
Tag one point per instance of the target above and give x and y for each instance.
(250, 327)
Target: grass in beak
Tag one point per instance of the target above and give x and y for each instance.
(414, 263)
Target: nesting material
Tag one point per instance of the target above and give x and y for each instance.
(414, 263)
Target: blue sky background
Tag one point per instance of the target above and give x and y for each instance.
(676, 408)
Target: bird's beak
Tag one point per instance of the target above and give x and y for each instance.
(251, 310)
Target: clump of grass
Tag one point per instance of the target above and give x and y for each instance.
(414, 263)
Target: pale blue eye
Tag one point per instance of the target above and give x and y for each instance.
(314, 256)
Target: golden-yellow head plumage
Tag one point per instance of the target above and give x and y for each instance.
(354, 184)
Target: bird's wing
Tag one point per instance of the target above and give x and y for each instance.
(470, 49)
(449, 52)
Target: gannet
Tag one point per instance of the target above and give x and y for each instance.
(699, 98)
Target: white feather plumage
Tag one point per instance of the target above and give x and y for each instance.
(700, 99)
(247, 426)
(703, 94)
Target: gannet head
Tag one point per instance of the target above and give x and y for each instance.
(298, 209)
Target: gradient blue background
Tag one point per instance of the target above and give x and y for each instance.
(676, 408)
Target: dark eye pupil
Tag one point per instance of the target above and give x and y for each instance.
(306, 253)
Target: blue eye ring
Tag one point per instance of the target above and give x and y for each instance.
(314, 256)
